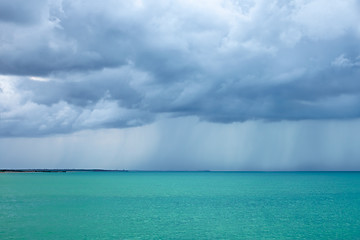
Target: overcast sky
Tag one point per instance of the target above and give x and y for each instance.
(180, 85)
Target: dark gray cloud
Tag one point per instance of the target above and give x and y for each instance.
(72, 65)
(20, 12)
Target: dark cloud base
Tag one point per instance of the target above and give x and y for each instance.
(72, 65)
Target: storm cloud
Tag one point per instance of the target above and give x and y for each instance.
(70, 65)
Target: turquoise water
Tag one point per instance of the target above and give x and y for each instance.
(180, 205)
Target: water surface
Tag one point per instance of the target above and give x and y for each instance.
(180, 205)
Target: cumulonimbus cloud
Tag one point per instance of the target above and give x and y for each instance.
(72, 65)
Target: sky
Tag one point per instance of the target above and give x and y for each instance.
(180, 85)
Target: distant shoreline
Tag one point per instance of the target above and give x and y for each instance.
(124, 170)
(57, 170)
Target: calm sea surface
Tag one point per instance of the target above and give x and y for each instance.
(180, 205)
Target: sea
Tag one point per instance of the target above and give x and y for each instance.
(180, 205)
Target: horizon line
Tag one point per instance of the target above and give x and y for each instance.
(155, 170)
